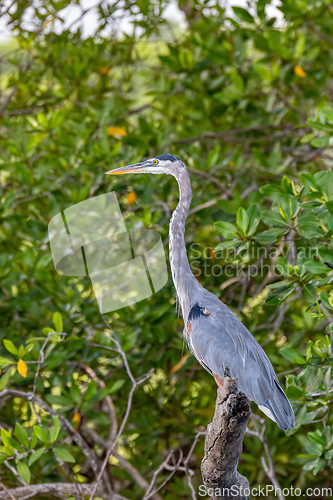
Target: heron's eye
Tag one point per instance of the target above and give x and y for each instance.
(156, 162)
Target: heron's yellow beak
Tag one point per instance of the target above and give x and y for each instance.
(129, 169)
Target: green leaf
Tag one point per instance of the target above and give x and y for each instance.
(5, 379)
(279, 295)
(58, 323)
(282, 266)
(272, 191)
(326, 299)
(22, 435)
(33, 441)
(23, 471)
(299, 45)
(308, 228)
(325, 180)
(48, 330)
(293, 392)
(272, 218)
(309, 180)
(40, 434)
(10, 346)
(309, 292)
(6, 437)
(243, 14)
(75, 392)
(317, 438)
(270, 235)
(36, 455)
(320, 142)
(292, 355)
(329, 328)
(227, 230)
(289, 206)
(54, 431)
(315, 267)
(261, 4)
(116, 386)
(327, 112)
(263, 71)
(237, 80)
(320, 126)
(243, 220)
(287, 185)
(329, 206)
(311, 465)
(22, 351)
(275, 42)
(5, 362)
(63, 454)
(44, 261)
(279, 284)
(326, 257)
(227, 245)
(319, 465)
(91, 390)
(254, 219)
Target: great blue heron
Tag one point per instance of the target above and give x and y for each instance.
(215, 336)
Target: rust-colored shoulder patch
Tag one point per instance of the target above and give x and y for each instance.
(189, 327)
(218, 380)
(206, 312)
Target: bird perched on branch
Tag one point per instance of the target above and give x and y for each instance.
(215, 336)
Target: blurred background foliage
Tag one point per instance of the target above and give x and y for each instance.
(244, 100)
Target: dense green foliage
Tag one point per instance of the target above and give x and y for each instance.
(244, 101)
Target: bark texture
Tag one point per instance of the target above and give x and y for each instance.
(224, 443)
(58, 489)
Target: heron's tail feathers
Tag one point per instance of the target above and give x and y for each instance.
(279, 409)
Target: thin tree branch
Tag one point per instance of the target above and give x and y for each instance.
(67, 426)
(14, 471)
(4, 12)
(39, 365)
(269, 469)
(227, 134)
(132, 471)
(151, 490)
(189, 472)
(109, 402)
(11, 496)
(32, 490)
(211, 178)
(135, 385)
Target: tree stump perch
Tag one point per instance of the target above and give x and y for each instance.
(224, 443)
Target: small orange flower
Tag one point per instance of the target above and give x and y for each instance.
(76, 418)
(117, 131)
(105, 70)
(131, 197)
(299, 71)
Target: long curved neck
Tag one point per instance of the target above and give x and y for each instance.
(181, 272)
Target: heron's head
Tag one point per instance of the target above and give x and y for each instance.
(162, 164)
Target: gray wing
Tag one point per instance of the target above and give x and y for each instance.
(218, 339)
